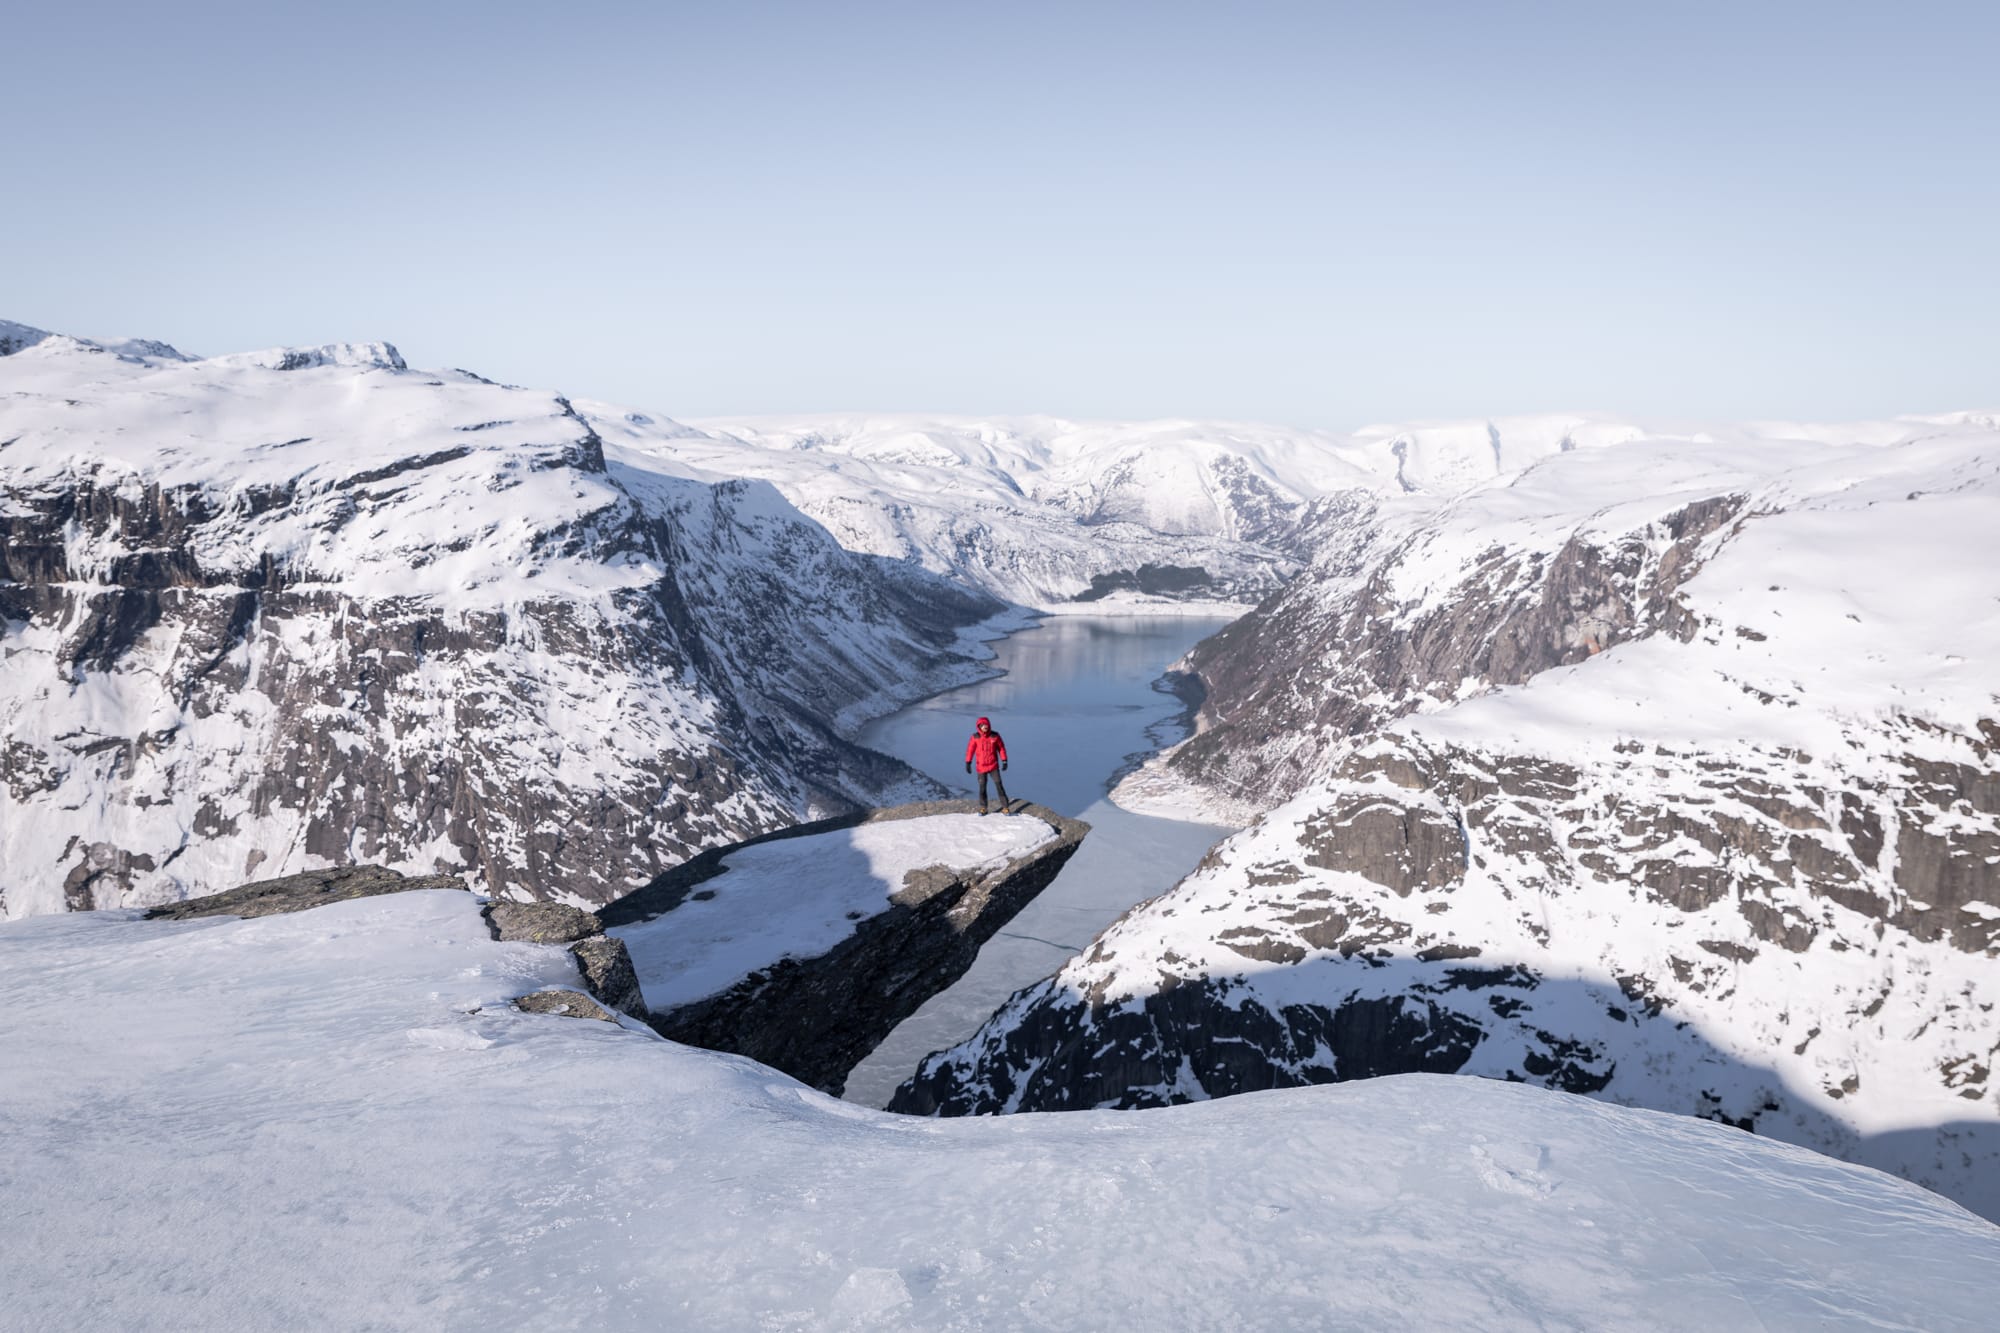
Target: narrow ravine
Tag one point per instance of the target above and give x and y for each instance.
(1076, 704)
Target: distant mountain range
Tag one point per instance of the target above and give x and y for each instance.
(1048, 512)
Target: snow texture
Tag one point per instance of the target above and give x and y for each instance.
(338, 1119)
(799, 897)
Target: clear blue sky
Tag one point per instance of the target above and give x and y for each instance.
(1322, 214)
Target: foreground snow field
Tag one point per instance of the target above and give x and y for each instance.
(334, 1119)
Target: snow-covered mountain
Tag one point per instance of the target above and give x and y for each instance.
(275, 610)
(1667, 772)
(339, 1117)
(1048, 512)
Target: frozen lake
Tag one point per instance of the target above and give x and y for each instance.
(1076, 704)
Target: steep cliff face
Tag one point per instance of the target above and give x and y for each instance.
(268, 612)
(1730, 847)
(1415, 605)
(804, 948)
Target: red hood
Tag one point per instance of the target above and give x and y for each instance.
(983, 722)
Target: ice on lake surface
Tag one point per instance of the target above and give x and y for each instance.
(1076, 704)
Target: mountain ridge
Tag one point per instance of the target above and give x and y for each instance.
(1706, 729)
(265, 612)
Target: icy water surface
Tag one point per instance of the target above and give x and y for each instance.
(1077, 703)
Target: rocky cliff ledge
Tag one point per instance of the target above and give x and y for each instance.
(804, 948)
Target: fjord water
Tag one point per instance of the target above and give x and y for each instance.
(1076, 706)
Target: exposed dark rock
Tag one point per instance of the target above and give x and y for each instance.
(1404, 846)
(1079, 1056)
(302, 892)
(566, 1003)
(541, 923)
(1350, 665)
(1153, 580)
(817, 1018)
(607, 973)
(1779, 926)
(1944, 874)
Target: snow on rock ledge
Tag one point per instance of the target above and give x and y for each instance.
(804, 948)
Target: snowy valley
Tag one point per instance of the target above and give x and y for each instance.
(1649, 762)
(1662, 772)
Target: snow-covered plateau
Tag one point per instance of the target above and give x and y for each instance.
(273, 611)
(337, 1118)
(1666, 772)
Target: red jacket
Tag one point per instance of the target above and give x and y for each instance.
(986, 752)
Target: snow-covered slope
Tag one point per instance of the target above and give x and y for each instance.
(1725, 840)
(275, 610)
(336, 1119)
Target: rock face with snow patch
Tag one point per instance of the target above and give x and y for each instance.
(804, 948)
(1666, 773)
(263, 612)
(303, 892)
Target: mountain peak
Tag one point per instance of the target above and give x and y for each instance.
(359, 356)
(15, 337)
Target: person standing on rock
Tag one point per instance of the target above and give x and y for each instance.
(988, 753)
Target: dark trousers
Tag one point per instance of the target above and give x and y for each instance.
(999, 785)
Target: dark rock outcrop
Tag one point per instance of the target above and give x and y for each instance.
(564, 1004)
(603, 961)
(299, 893)
(817, 1018)
(607, 973)
(1152, 580)
(1083, 1056)
(541, 923)
(1336, 655)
